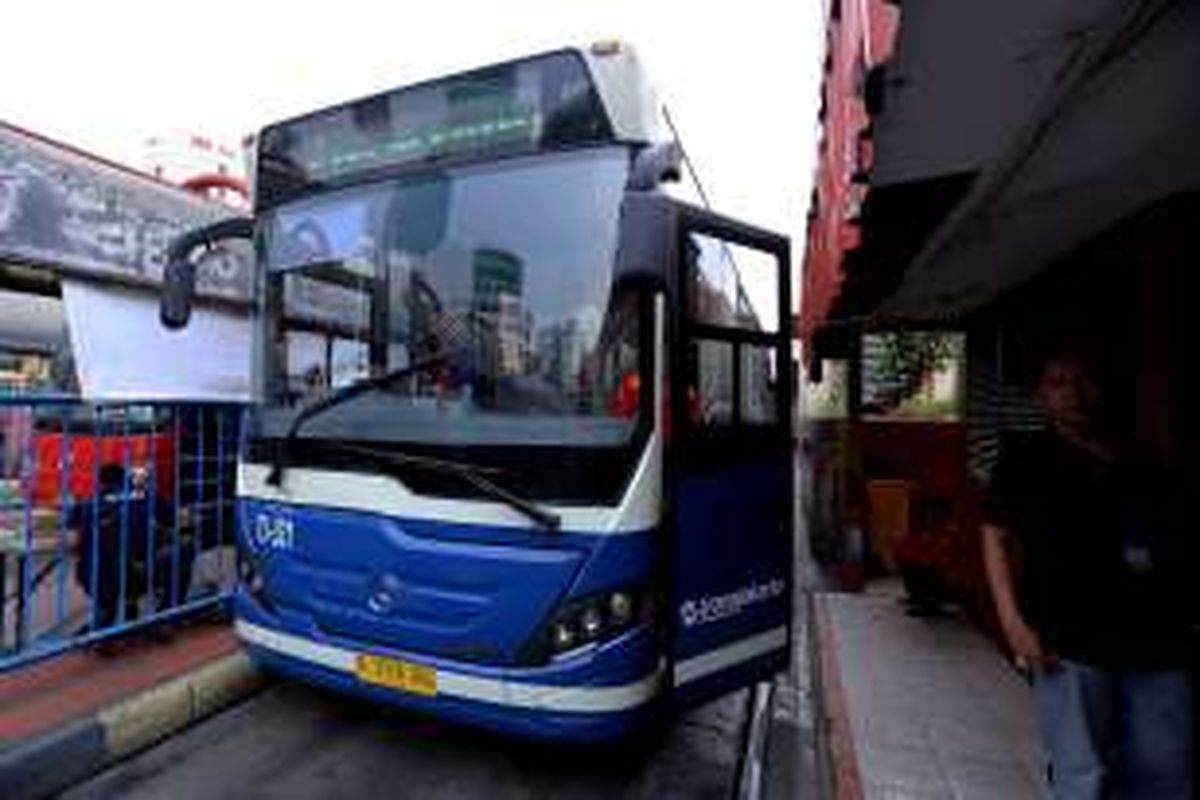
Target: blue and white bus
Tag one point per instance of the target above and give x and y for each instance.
(521, 452)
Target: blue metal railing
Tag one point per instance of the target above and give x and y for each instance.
(114, 517)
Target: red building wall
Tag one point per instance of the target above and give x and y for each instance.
(859, 35)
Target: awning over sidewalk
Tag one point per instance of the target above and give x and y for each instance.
(1117, 134)
(1003, 144)
(897, 220)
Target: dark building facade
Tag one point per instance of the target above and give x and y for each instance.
(1032, 180)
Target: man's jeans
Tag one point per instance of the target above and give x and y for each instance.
(1117, 732)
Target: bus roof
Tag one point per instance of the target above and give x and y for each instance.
(625, 90)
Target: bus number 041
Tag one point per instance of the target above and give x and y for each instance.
(272, 532)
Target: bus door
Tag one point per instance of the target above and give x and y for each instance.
(730, 485)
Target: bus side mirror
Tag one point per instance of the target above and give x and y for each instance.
(654, 165)
(647, 235)
(179, 276)
(179, 285)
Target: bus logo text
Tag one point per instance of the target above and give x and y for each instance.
(704, 610)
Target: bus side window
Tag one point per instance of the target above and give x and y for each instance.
(732, 292)
(757, 385)
(732, 285)
(710, 397)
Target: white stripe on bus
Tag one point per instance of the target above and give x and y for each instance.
(549, 697)
(357, 491)
(729, 655)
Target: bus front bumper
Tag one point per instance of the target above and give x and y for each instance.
(599, 694)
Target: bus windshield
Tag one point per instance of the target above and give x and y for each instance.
(494, 280)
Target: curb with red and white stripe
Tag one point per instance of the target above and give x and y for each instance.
(68, 755)
(847, 782)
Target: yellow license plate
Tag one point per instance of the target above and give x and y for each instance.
(397, 674)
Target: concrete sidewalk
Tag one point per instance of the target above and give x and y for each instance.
(63, 719)
(922, 708)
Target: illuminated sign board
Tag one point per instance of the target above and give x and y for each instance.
(540, 103)
(436, 142)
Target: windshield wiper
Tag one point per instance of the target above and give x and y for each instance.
(339, 396)
(469, 473)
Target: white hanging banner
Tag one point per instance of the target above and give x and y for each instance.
(122, 351)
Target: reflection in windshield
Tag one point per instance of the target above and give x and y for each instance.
(503, 271)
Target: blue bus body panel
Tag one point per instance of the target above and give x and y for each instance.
(629, 666)
(472, 593)
(732, 581)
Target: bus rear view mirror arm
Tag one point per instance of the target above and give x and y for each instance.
(179, 277)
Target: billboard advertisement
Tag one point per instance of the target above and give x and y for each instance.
(77, 214)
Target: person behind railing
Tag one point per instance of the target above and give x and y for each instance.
(122, 510)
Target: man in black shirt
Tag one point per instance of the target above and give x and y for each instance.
(1100, 612)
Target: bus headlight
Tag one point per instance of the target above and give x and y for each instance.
(591, 622)
(620, 608)
(588, 620)
(564, 637)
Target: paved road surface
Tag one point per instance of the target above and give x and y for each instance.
(294, 743)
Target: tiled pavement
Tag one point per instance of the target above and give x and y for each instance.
(926, 708)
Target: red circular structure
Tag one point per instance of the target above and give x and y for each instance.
(216, 180)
